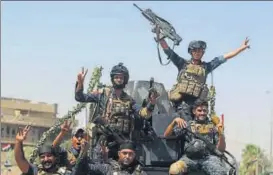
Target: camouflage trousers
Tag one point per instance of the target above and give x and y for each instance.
(210, 165)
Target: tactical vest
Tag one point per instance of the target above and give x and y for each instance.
(118, 113)
(197, 148)
(206, 130)
(60, 171)
(116, 169)
(190, 81)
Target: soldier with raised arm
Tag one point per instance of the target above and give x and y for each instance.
(120, 109)
(192, 74)
(47, 155)
(125, 165)
(79, 140)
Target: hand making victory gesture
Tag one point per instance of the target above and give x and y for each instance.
(81, 75)
(22, 133)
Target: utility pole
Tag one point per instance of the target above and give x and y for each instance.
(271, 131)
(271, 122)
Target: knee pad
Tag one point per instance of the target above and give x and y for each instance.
(177, 168)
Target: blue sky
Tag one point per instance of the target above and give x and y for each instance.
(44, 45)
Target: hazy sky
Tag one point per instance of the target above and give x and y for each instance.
(44, 45)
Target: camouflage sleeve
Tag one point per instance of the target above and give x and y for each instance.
(99, 168)
(213, 64)
(176, 59)
(143, 112)
(82, 97)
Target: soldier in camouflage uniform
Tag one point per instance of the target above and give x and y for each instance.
(121, 110)
(196, 157)
(125, 165)
(78, 140)
(191, 79)
(47, 155)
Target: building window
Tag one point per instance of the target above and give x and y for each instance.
(13, 132)
(8, 130)
(2, 132)
(24, 112)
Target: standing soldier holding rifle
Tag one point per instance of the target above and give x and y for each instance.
(191, 79)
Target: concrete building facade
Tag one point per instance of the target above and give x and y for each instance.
(17, 113)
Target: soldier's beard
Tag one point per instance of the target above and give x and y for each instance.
(202, 118)
(47, 165)
(118, 86)
(126, 162)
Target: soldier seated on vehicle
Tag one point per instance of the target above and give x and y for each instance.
(197, 157)
(120, 108)
(79, 140)
(214, 118)
(47, 155)
(126, 163)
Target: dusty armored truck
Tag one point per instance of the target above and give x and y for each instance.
(155, 151)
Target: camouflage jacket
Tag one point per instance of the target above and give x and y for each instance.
(114, 168)
(38, 170)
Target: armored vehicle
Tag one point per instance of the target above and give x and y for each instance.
(155, 151)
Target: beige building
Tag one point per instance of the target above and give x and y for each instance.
(19, 113)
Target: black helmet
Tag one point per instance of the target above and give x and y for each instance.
(119, 69)
(197, 45)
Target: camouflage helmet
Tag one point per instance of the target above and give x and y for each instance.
(119, 69)
(197, 45)
(47, 149)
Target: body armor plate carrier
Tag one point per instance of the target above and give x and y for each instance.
(119, 116)
(190, 81)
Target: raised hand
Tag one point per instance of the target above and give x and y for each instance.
(22, 133)
(66, 126)
(220, 126)
(246, 44)
(81, 76)
(153, 96)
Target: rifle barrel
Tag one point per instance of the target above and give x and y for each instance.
(137, 7)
